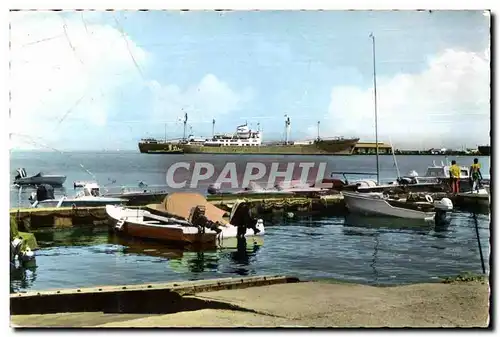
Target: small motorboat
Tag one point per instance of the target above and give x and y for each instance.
(89, 197)
(441, 174)
(141, 195)
(374, 203)
(185, 218)
(22, 179)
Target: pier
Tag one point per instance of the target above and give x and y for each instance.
(261, 301)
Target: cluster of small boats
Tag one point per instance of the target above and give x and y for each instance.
(408, 197)
(188, 217)
(369, 198)
(182, 218)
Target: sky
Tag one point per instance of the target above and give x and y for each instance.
(104, 80)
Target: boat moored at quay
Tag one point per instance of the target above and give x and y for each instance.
(248, 141)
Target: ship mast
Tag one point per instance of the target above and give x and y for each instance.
(318, 130)
(185, 122)
(213, 128)
(287, 129)
(375, 97)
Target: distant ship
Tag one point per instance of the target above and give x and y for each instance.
(247, 141)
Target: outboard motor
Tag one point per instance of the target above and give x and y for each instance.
(44, 192)
(199, 219)
(442, 207)
(21, 173)
(243, 219)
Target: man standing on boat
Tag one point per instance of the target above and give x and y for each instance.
(455, 177)
(475, 174)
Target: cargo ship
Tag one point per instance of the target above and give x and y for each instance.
(248, 141)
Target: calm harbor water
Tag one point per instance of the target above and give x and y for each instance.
(358, 249)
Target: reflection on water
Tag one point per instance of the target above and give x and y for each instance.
(375, 251)
(86, 236)
(21, 278)
(476, 225)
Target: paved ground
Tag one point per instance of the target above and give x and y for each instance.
(310, 304)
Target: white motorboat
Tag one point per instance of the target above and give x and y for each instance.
(373, 203)
(22, 179)
(185, 218)
(439, 173)
(89, 197)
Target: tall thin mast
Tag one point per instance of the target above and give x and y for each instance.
(287, 129)
(213, 128)
(375, 97)
(318, 130)
(185, 122)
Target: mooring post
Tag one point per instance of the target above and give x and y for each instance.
(479, 242)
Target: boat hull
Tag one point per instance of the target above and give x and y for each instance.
(366, 204)
(322, 147)
(49, 180)
(166, 234)
(135, 226)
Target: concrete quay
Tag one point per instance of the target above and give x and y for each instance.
(281, 302)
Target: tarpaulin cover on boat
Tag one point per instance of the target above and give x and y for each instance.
(180, 205)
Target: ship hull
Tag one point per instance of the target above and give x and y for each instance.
(322, 147)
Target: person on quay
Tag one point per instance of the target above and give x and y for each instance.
(455, 177)
(475, 174)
